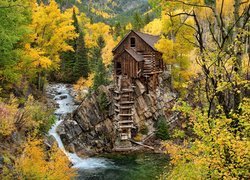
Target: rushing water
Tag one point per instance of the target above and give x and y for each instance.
(114, 167)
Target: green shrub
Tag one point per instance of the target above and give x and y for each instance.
(144, 129)
(162, 129)
(103, 102)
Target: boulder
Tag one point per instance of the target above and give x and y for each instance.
(58, 93)
(63, 97)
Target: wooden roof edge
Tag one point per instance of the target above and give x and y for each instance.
(126, 50)
(138, 36)
(122, 40)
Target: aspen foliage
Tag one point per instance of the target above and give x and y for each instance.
(176, 48)
(7, 120)
(94, 31)
(83, 85)
(154, 27)
(50, 31)
(129, 27)
(35, 163)
(103, 14)
(220, 151)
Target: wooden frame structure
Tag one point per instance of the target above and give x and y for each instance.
(135, 57)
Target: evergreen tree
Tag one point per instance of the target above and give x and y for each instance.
(75, 63)
(81, 66)
(118, 29)
(137, 21)
(147, 19)
(101, 76)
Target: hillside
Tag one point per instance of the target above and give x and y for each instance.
(108, 11)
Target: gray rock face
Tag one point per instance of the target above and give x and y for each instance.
(89, 130)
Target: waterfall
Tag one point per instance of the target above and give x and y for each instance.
(66, 103)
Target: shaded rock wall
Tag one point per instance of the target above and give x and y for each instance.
(89, 130)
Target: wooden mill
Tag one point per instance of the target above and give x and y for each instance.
(135, 58)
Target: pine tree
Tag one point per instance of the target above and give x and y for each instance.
(147, 19)
(137, 21)
(69, 57)
(101, 76)
(81, 66)
(75, 63)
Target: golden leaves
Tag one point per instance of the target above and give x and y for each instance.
(82, 85)
(217, 148)
(35, 163)
(7, 121)
(154, 27)
(50, 31)
(94, 31)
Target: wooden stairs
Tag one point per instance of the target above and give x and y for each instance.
(124, 107)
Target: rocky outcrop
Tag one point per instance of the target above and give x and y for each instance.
(90, 129)
(149, 106)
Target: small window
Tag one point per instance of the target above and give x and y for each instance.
(132, 42)
(118, 65)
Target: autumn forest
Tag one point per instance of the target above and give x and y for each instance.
(64, 83)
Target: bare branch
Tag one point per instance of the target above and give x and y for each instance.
(190, 4)
(189, 41)
(179, 14)
(244, 2)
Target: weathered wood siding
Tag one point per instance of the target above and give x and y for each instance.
(129, 66)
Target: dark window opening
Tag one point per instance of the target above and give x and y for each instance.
(118, 68)
(118, 65)
(132, 42)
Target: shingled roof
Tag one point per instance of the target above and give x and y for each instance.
(137, 57)
(149, 39)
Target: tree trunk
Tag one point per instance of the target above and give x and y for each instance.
(238, 51)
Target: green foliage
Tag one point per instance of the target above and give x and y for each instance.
(103, 102)
(13, 27)
(162, 129)
(37, 117)
(138, 22)
(210, 2)
(74, 63)
(101, 76)
(81, 66)
(144, 129)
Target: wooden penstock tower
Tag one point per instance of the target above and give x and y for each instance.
(135, 58)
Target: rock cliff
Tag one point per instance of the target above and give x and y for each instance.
(89, 129)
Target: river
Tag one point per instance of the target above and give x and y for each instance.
(105, 167)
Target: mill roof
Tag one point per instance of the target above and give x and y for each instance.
(151, 40)
(137, 57)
